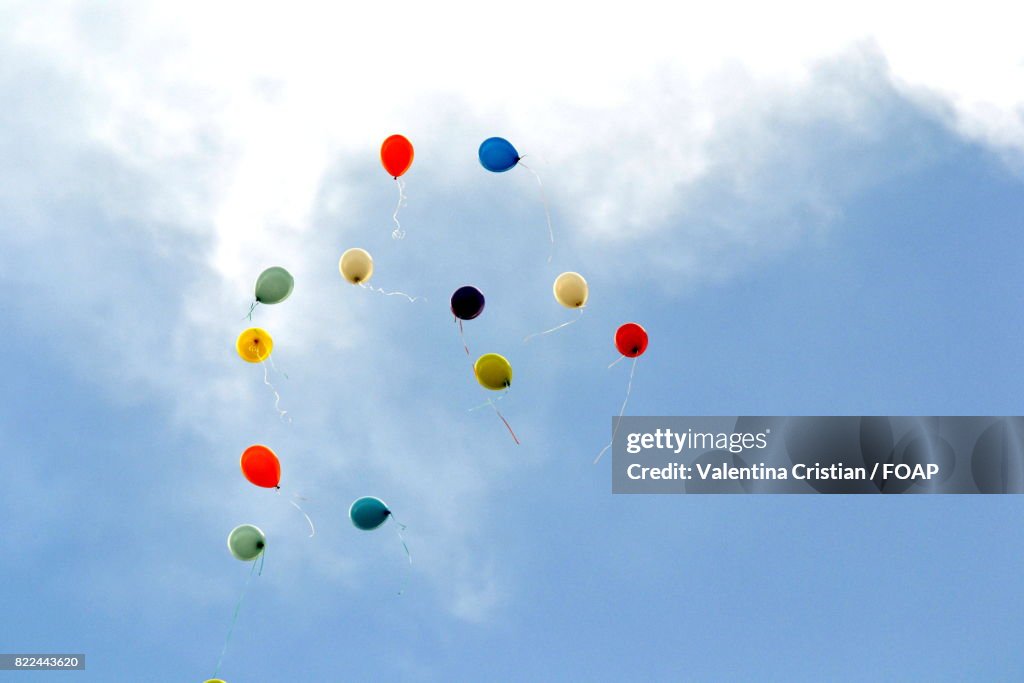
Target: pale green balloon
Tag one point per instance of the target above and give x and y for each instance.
(274, 285)
(246, 542)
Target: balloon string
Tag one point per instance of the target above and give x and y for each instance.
(553, 329)
(312, 529)
(462, 336)
(615, 362)
(274, 367)
(282, 414)
(254, 349)
(234, 618)
(492, 404)
(507, 425)
(252, 307)
(629, 389)
(412, 299)
(547, 213)
(399, 529)
(488, 402)
(398, 233)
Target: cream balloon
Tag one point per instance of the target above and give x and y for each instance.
(356, 265)
(571, 290)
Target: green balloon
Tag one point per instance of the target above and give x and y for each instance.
(274, 285)
(246, 542)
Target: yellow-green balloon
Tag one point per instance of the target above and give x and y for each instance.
(246, 542)
(494, 372)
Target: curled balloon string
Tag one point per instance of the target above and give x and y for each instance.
(282, 414)
(553, 329)
(398, 233)
(234, 618)
(252, 307)
(312, 529)
(258, 353)
(412, 299)
(547, 212)
(629, 389)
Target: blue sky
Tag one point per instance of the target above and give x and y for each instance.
(802, 230)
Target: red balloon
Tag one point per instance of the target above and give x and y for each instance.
(396, 155)
(631, 340)
(261, 467)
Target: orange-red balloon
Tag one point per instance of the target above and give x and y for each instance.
(261, 466)
(631, 340)
(396, 155)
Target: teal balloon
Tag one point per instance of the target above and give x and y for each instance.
(246, 542)
(368, 513)
(274, 285)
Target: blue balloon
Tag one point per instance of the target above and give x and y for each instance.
(368, 513)
(498, 155)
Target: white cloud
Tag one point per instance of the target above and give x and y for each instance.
(229, 136)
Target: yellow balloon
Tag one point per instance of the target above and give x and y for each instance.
(571, 290)
(215, 680)
(254, 345)
(494, 372)
(356, 265)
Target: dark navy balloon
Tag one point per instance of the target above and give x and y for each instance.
(368, 513)
(467, 302)
(498, 155)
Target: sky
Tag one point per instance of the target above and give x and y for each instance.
(812, 212)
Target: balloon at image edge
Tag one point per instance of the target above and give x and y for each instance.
(246, 542)
(497, 155)
(356, 265)
(571, 290)
(493, 372)
(261, 467)
(368, 513)
(254, 345)
(396, 155)
(274, 285)
(467, 303)
(631, 340)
